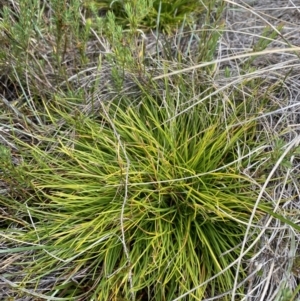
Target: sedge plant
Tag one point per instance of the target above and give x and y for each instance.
(147, 198)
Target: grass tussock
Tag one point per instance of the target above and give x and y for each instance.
(138, 195)
(135, 165)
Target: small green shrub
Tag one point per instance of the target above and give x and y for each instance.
(161, 14)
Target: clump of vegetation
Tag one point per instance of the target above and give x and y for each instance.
(149, 197)
(152, 14)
